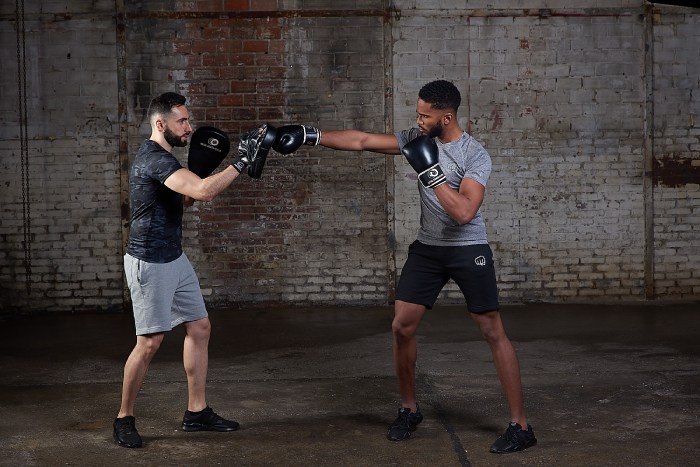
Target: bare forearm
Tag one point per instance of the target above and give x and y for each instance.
(461, 207)
(355, 140)
(346, 140)
(191, 186)
(215, 184)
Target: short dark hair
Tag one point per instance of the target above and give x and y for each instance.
(441, 94)
(164, 103)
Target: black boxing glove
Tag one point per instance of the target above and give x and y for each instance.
(291, 137)
(312, 135)
(423, 155)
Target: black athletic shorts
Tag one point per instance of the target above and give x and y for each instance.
(428, 268)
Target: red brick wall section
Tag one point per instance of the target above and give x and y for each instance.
(314, 227)
(234, 81)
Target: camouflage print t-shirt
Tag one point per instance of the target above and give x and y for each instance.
(156, 210)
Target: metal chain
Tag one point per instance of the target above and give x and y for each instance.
(24, 140)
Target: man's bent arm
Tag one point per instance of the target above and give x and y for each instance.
(461, 205)
(202, 189)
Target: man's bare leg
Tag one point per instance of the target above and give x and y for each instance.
(407, 316)
(195, 358)
(506, 362)
(135, 370)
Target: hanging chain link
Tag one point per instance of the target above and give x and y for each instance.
(24, 140)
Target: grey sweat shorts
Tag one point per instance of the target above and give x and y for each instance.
(164, 295)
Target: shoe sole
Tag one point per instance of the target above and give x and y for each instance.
(408, 435)
(126, 445)
(515, 450)
(197, 427)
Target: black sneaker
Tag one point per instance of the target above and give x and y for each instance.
(207, 420)
(125, 432)
(514, 439)
(405, 424)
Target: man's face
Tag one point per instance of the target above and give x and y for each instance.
(176, 127)
(429, 120)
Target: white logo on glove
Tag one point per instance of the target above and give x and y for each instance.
(433, 173)
(213, 142)
(480, 261)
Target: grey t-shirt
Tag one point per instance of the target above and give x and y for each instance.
(464, 158)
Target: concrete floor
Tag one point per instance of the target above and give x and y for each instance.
(604, 385)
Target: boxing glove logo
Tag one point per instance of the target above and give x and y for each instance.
(432, 176)
(480, 261)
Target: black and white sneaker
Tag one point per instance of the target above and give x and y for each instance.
(207, 420)
(125, 433)
(405, 424)
(514, 439)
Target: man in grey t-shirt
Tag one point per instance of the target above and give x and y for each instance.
(451, 244)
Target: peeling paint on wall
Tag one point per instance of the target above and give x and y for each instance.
(674, 171)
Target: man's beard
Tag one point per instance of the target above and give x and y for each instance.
(173, 139)
(436, 131)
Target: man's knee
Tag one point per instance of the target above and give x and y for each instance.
(406, 319)
(149, 343)
(402, 330)
(200, 329)
(490, 325)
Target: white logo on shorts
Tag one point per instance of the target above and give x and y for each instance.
(480, 261)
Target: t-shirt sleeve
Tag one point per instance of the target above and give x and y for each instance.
(478, 165)
(163, 167)
(406, 136)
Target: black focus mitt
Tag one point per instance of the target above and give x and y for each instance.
(261, 147)
(208, 147)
